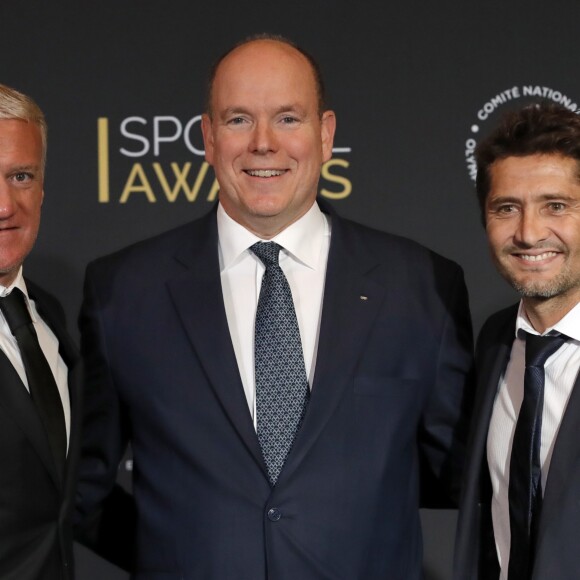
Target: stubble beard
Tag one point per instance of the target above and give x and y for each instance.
(560, 284)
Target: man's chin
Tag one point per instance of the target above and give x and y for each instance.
(540, 290)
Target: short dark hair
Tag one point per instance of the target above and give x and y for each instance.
(316, 70)
(543, 128)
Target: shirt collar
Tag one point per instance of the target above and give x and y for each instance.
(302, 239)
(21, 285)
(568, 325)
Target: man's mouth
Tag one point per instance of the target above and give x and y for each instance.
(537, 257)
(265, 172)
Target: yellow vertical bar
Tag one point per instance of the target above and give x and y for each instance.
(103, 155)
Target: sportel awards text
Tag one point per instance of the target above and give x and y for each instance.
(133, 162)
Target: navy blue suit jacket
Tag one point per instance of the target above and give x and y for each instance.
(384, 425)
(557, 555)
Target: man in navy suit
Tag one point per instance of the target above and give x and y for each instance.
(38, 453)
(168, 335)
(529, 190)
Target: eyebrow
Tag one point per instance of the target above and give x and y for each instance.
(30, 167)
(286, 108)
(542, 197)
(556, 195)
(244, 111)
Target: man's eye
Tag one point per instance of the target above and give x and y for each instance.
(288, 120)
(236, 121)
(557, 206)
(22, 177)
(506, 209)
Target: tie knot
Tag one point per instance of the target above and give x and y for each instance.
(268, 252)
(15, 310)
(540, 348)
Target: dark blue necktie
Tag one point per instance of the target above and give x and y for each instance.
(41, 382)
(282, 390)
(525, 484)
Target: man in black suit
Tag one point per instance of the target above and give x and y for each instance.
(524, 448)
(257, 455)
(38, 419)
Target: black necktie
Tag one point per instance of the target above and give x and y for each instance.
(41, 383)
(525, 483)
(282, 390)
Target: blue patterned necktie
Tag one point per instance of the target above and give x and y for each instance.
(525, 484)
(282, 390)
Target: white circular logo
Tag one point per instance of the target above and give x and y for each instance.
(527, 92)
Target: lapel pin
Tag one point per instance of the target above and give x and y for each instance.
(364, 297)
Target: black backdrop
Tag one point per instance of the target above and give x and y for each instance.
(414, 86)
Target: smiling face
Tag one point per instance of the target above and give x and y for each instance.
(533, 226)
(21, 193)
(266, 139)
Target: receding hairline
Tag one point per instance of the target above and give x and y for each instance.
(270, 39)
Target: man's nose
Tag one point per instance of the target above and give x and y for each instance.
(264, 138)
(532, 228)
(7, 203)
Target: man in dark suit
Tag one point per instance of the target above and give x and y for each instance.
(38, 420)
(524, 447)
(317, 472)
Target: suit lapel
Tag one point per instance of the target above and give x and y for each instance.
(75, 383)
(563, 465)
(198, 299)
(19, 406)
(66, 347)
(70, 355)
(475, 545)
(351, 302)
(491, 361)
(54, 318)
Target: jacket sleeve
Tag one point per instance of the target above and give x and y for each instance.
(105, 518)
(447, 414)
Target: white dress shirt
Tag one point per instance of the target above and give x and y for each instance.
(561, 370)
(305, 245)
(48, 343)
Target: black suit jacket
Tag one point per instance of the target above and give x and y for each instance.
(384, 422)
(36, 501)
(557, 553)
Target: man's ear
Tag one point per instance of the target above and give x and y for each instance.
(327, 130)
(207, 132)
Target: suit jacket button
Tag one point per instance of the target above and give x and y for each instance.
(274, 514)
